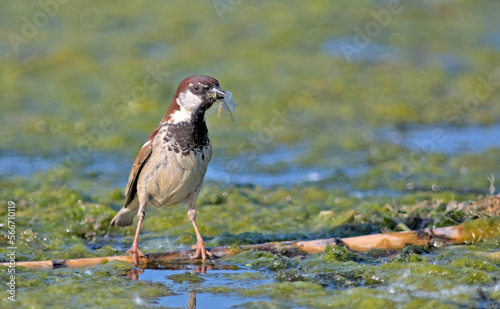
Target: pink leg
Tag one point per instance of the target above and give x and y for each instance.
(135, 244)
(200, 245)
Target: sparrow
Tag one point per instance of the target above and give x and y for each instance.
(171, 165)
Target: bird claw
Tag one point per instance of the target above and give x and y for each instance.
(203, 252)
(135, 252)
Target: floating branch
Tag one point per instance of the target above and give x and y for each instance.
(468, 232)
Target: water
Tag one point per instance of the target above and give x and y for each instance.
(276, 168)
(472, 139)
(371, 51)
(17, 164)
(187, 294)
(345, 48)
(266, 169)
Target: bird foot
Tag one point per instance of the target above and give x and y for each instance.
(201, 251)
(135, 252)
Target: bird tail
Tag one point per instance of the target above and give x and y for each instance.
(125, 216)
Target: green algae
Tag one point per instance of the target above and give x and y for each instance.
(245, 238)
(112, 268)
(291, 275)
(338, 254)
(189, 277)
(476, 277)
(477, 230)
(411, 253)
(103, 285)
(282, 67)
(356, 297)
(344, 277)
(259, 259)
(285, 289)
(245, 276)
(409, 258)
(475, 263)
(314, 281)
(279, 263)
(425, 303)
(251, 256)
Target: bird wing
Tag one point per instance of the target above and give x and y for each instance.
(141, 159)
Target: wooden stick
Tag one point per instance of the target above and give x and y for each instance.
(397, 240)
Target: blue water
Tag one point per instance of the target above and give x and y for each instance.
(445, 139)
(373, 51)
(111, 170)
(186, 293)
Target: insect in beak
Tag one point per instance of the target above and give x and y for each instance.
(217, 94)
(228, 103)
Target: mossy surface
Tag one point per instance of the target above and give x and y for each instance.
(398, 134)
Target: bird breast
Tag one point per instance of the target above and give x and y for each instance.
(175, 169)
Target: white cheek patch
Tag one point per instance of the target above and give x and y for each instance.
(189, 101)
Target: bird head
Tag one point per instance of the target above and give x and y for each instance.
(195, 95)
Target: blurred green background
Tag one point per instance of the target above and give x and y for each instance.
(350, 114)
(357, 88)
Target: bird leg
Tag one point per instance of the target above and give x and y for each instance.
(135, 244)
(200, 245)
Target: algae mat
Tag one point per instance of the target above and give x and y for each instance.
(354, 118)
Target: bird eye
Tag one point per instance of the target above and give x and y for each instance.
(196, 88)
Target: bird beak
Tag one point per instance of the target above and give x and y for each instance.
(217, 93)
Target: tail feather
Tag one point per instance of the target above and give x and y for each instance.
(125, 216)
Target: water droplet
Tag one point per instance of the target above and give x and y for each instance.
(41, 126)
(314, 177)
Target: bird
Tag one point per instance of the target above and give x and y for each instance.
(172, 163)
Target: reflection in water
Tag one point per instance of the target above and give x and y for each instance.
(202, 269)
(198, 268)
(192, 300)
(134, 274)
(184, 292)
